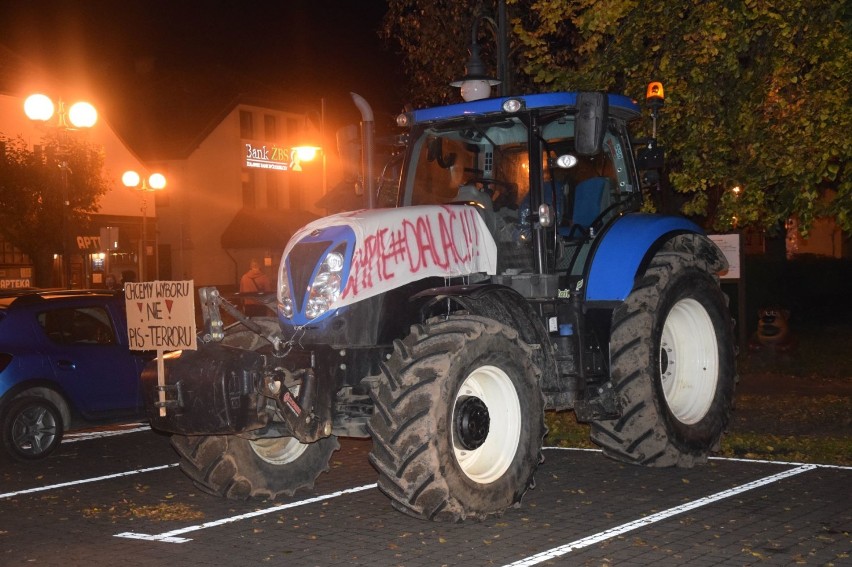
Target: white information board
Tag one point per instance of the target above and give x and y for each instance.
(160, 315)
(729, 244)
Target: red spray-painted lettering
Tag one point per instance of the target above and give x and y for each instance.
(443, 243)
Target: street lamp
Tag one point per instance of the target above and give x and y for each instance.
(308, 151)
(476, 83)
(80, 115)
(155, 182)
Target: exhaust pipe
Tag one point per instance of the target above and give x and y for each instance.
(366, 148)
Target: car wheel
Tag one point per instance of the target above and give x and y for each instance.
(32, 428)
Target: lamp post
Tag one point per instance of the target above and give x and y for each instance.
(476, 83)
(80, 115)
(308, 151)
(155, 182)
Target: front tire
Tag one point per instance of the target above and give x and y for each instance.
(672, 366)
(239, 468)
(458, 420)
(32, 428)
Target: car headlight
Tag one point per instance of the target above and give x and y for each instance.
(325, 289)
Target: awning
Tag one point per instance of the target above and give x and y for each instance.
(264, 228)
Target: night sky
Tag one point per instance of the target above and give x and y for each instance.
(139, 59)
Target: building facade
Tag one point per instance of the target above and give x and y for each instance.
(237, 194)
(111, 243)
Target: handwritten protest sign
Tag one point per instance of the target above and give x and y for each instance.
(160, 315)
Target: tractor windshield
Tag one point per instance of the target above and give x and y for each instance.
(487, 161)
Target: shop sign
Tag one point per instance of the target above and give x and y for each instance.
(89, 243)
(272, 157)
(15, 283)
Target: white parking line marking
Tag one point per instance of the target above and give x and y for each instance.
(85, 436)
(653, 518)
(170, 537)
(731, 459)
(84, 481)
(787, 463)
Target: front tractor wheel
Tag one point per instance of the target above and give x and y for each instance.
(239, 468)
(458, 420)
(673, 366)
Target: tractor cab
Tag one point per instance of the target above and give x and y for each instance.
(545, 176)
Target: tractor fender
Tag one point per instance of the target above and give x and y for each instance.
(626, 247)
(497, 302)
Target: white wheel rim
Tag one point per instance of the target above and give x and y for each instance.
(278, 450)
(489, 461)
(689, 361)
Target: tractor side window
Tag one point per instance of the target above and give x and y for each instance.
(440, 171)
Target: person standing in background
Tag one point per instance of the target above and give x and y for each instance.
(254, 280)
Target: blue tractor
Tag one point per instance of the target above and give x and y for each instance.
(509, 272)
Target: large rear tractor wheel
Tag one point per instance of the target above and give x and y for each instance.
(672, 364)
(238, 468)
(458, 421)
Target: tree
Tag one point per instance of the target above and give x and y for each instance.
(433, 37)
(32, 209)
(758, 92)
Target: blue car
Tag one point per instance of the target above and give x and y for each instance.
(63, 355)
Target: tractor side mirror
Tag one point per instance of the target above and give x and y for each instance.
(591, 120)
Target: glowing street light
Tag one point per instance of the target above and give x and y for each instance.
(155, 182)
(306, 153)
(476, 83)
(40, 108)
(80, 115)
(309, 151)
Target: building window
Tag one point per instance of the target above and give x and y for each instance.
(273, 191)
(10, 254)
(270, 128)
(246, 125)
(249, 192)
(293, 129)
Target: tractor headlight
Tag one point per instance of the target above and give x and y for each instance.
(325, 289)
(285, 301)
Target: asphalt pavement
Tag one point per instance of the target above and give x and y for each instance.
(120, 499)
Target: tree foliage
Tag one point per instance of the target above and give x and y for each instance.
(758, 91)
(433, 38)
(33, 195)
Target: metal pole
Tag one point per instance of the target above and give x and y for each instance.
(66, 212)
(502, 50)
(143, 257)
(324, 147)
